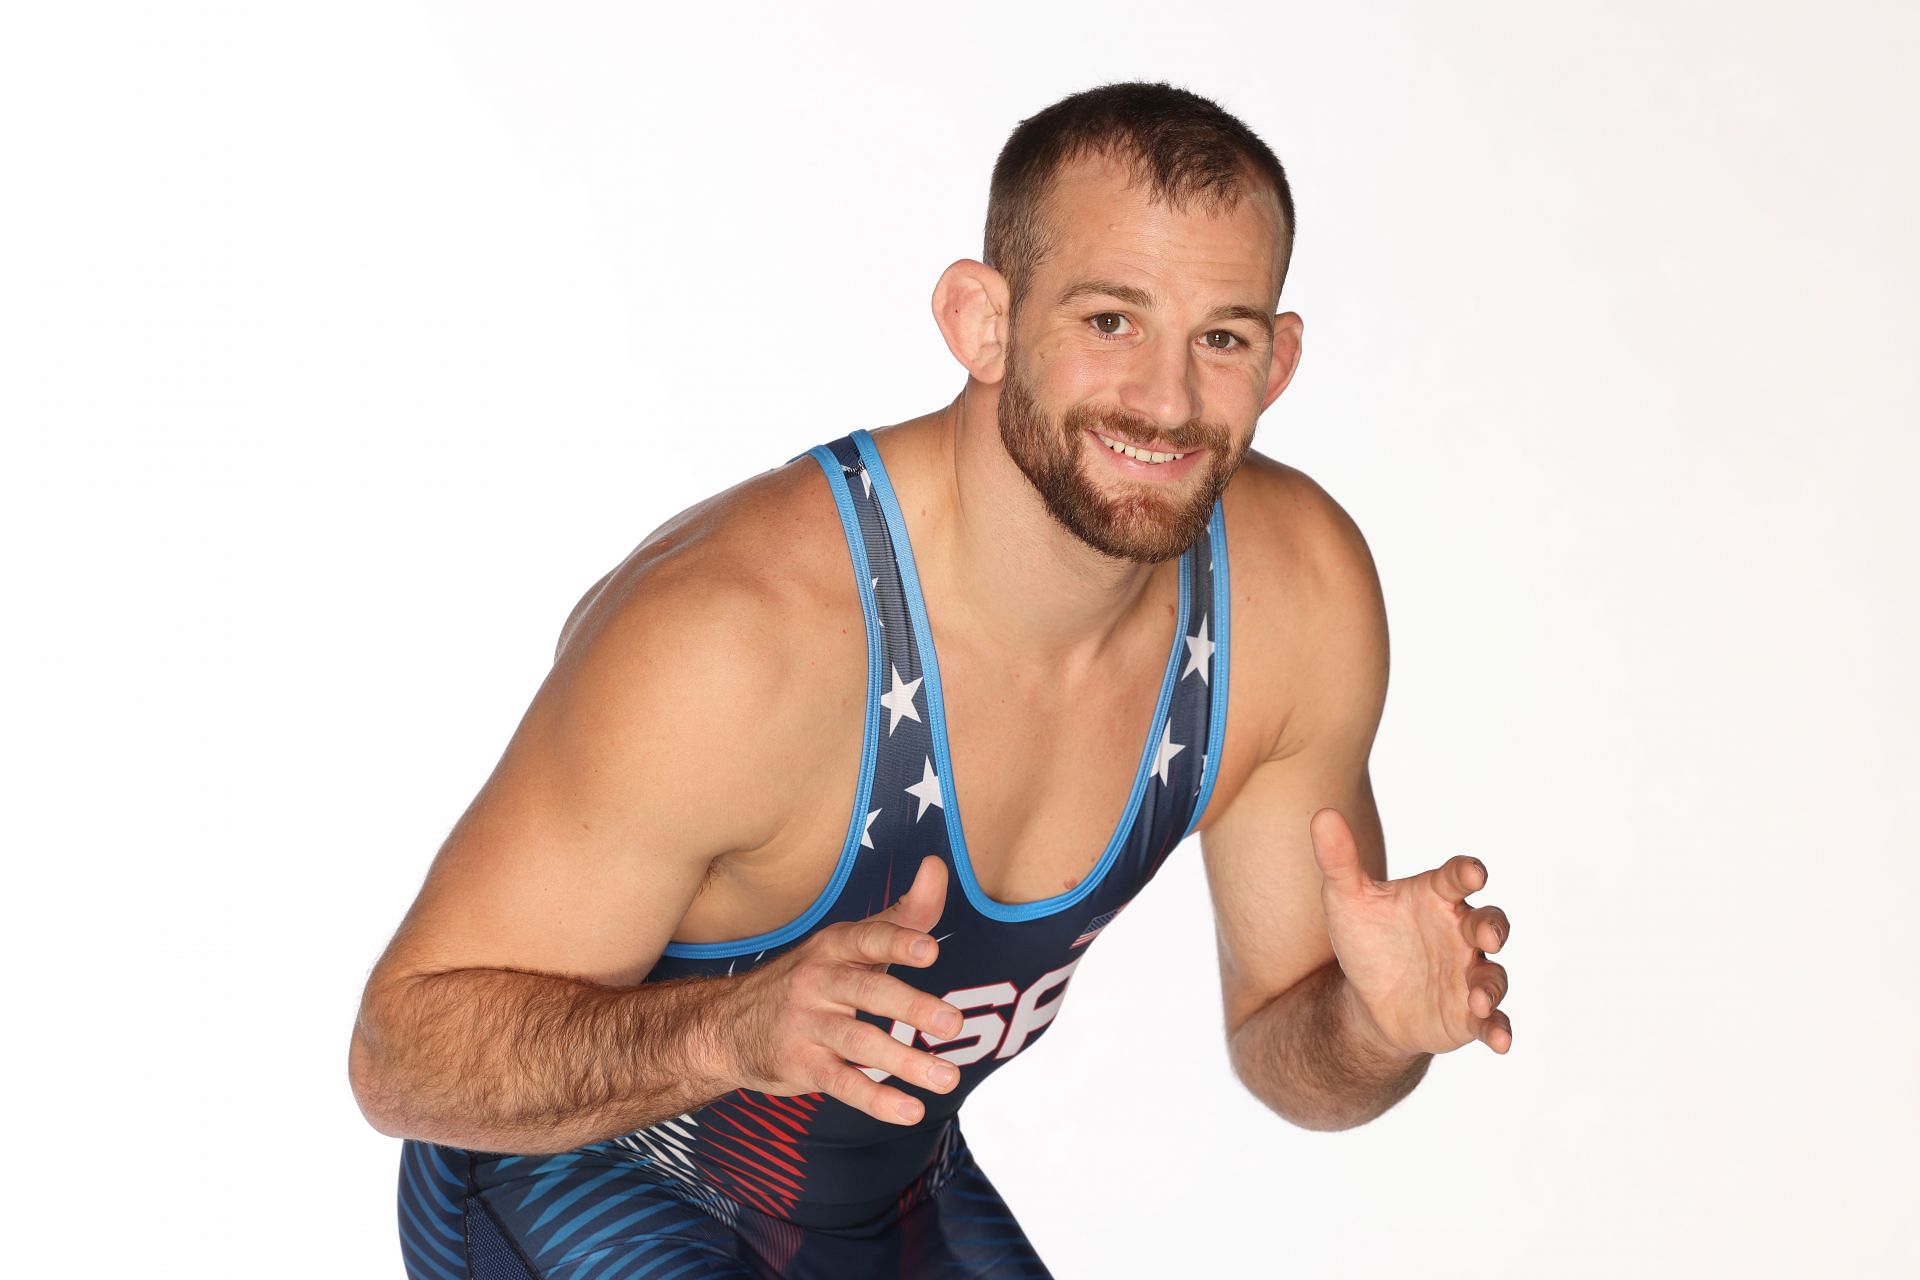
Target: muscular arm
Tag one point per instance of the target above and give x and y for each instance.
(1293, 1036)
(507, 1014)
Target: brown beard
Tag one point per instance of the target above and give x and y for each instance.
(1146, 523)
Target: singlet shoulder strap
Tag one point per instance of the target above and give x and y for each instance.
(1213, 638)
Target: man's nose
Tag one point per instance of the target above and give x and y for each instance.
(1159, 384)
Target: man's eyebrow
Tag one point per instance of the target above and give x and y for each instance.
(1110, 289)
(1138, 297)
(1241, 311)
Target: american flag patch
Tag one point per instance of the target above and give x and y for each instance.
(1095, 925)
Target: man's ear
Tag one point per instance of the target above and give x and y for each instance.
(971, 306)
(1287, 327)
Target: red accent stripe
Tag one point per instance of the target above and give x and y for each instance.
(747, 1184)
(749, 1144)
(779, 1136)
(758, 1151)
(786, 1119)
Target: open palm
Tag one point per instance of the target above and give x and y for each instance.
(1412, 949)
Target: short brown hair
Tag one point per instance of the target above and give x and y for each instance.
(1185, 147)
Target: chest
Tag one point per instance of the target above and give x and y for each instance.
(1042, 768)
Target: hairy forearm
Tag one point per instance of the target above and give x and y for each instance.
(1307, 1056)
(501, 1060)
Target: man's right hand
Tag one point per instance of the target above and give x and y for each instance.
(791, 1026)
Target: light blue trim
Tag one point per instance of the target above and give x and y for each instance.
(937, 717)
(1217, 715)
(869, 750)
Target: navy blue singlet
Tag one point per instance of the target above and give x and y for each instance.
(753, 1185)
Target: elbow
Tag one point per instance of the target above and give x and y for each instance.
(1292, 1106)
(371, 1081)
(364, 1081)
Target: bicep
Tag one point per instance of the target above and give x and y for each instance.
(582, 852)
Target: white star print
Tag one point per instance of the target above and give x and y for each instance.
(1168, 750)
(899, 699)
(1199, 653)
(866, 834)
(927, 790)
(866, 482)
(876, 601)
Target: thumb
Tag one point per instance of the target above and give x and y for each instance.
(1335, 849)
(920, 907)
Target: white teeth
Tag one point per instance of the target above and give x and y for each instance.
(1142, 455)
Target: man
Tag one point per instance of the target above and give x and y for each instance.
(697, 983)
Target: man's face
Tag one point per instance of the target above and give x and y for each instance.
(1145, 327)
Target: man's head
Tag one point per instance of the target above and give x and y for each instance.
(1137, 240)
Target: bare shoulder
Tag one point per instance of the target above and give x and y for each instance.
(1309, 619)
(1288, 522)
(766, 544)
(736, 619)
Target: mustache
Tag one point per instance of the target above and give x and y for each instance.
(1142, 434)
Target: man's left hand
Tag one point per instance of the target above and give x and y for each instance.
(1414, 953)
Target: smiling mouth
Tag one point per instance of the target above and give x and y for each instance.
(1136, 453)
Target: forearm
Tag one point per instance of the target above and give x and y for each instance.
(1308, 1055)
(500, 1060)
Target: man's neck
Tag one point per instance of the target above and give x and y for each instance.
(994, 557)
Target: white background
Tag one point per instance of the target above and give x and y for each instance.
(342, 347)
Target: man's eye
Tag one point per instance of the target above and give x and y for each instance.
(1223, 340)
(1109, 322)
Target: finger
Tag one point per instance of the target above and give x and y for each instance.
(921, 905)
(1497, 1031)
(1486, 988)
(881, 942)
(871, 991)
(862, 1092)
(1486, 928)
(1460, 876)
(865, 1045)
(1335, 849)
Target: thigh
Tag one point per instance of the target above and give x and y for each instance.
(565, 1217)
